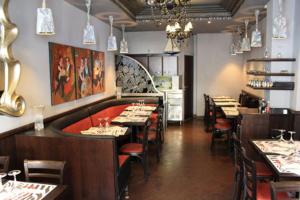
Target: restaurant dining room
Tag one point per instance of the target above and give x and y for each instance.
(149, 100)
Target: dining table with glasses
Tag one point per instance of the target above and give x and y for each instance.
(230, 112)
(283, 156)
(106, 131)
(18, 190)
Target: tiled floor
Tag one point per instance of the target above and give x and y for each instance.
(187, 170)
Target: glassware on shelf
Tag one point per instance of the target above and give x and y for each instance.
(38, 117)
(291, 136)
(267, 53)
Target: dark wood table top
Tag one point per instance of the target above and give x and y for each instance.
(265, 155)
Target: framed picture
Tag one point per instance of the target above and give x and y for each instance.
(83, 68)
(98, 72)
(62, 74)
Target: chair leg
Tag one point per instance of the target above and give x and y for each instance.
(212, 144)
(157, 149)
(126, 196)
(145, 166)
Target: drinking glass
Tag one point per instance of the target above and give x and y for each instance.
(106, 123)
(291, 138)
(100, 122)
(2, 175)
(14, 173)
(281, 139)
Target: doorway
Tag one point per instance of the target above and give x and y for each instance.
(188, 87)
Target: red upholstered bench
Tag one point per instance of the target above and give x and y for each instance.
(79, 126)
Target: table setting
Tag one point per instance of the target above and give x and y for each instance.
(125, 119)
(17, 190)
(110, 131)
(136, 113)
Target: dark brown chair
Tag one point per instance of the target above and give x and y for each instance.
(238, 168)
(139, 150)
(4, 164)
(284, 186)
(44, 170)
(155, 133)
(221, 131)
(253, 189)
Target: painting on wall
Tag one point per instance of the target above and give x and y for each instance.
(83, 68)
(98, 72)
(62, 73)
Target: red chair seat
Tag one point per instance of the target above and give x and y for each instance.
(264, 192)
(218, 114)
(262, 170)
(132, 148)
(151, 135)
(122, 159)
(153, 117)
(222, 127)
(222, 121)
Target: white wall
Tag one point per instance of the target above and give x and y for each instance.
(32, 51)
(217, 72)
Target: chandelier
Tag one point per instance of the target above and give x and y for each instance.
(176, 32)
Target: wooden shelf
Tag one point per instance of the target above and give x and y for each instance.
(270, 74)
(276, 86)
(272, 60)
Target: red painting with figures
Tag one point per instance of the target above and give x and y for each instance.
(98, 72)
(83, 68)
(62, 74)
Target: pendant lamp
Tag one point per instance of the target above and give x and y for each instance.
(123, 43)
(239, 42)
(280, 28)
(246, 41)
(256, 39)
(89, 32)
(44, 22)
(112, 40)
(171, 47)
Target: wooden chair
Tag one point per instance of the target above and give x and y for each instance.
(284, 186)
(139, 150)
(253, 189)
(4, 164)
(48, 170)
(219, 130)
(155, 133)
(238, 168)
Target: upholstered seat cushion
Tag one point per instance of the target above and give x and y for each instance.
(262, 170)
(153, 117)
(79, 126)
(151, 135)
(223, 121)
(122, 159)
(264, 192)
(222, 127)
(132, 148)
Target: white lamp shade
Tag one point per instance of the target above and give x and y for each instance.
(246, 45)
(123, 46)
(171, 47)
(177, 26)
(89, 35)
(256, 39)
(112, 43)
(44, 24)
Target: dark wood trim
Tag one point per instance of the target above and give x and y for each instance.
(47, 120)
(272, 60)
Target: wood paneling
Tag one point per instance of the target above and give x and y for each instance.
(90, 169)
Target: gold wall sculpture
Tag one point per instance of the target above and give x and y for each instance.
(10, 103)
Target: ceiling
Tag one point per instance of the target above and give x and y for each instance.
(137, 16)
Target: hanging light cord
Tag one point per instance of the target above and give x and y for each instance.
(123, 31)
(111, 20)
(44, 4)
(88, 7)
(246, 28)
(256, 16)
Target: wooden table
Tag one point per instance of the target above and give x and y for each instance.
(227, 104)
(225, 100)
(230, 112)
(221, 97)
(270, 154)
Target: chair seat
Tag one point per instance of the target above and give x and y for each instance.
(153, 125)
(223, 121)
(262, 170)
(218, 114)
(132, 148)
(223, 127)
(151, 135)
(264, 192)
(122, 159)
(153, 117)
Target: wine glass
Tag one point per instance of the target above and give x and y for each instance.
(291, 134)
(14, 173)
(100, 122)
(281, 139)
(106, 123)
(2, 175)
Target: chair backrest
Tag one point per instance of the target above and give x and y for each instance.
(238, 154)
(284, 186)
(4, 164)
(145, 136)
(44, 170)
(249, 178)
